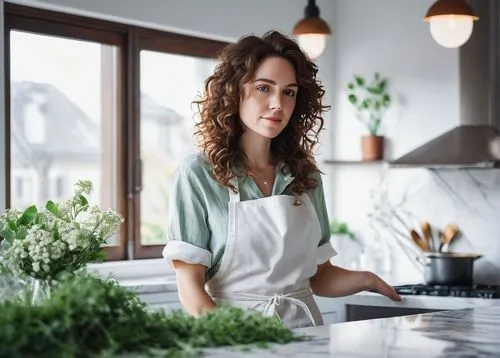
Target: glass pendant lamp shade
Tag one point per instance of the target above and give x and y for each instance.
(451, 22)
(312, 31)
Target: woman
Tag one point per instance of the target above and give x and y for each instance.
(248, 223)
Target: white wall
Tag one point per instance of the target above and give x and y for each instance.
(390, 36)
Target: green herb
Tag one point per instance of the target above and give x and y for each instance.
(88, 316)
(341, 228)
(370, 99)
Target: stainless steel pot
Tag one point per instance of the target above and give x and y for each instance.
(449, 268)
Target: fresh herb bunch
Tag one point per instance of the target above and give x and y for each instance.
(58, 238)
(88, 316)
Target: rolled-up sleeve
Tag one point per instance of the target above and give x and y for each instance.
(325, 249)
(325, 253)
(188, 234)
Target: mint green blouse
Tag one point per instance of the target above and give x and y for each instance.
(198, 212)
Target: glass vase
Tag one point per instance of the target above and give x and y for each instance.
(40, 291)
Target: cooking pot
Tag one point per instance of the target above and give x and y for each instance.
(449, 268)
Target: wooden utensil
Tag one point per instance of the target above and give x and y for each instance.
(441, 240)
(426, 230)
(419, 241)
(450, 233)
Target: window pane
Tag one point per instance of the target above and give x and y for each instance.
(63, 118)
(169, 83)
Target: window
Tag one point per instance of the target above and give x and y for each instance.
(168, 84)
(91, 99)
(59, 187)
(59, 112)
(24, 186)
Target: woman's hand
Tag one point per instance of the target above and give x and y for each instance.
(375, 283)
(334, 281)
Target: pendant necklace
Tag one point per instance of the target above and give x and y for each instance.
(263, 180)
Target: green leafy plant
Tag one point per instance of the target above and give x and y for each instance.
(88, 316)
(341, 228)
(59, 238)
(370, 99)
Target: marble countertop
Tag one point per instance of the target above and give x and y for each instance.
(167, 283)
(421, 302)
(151, 284)
(468, 328)
(471, 332)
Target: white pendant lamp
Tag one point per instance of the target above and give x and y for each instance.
(312, 31)
(451, 22)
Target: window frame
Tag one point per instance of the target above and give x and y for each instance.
(130, 40)
(152, 40)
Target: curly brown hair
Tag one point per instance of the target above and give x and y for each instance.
(219, 128)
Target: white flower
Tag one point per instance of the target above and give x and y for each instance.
(83, 187)
(68, 230)
(10, 215)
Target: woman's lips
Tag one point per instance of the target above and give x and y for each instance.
(273, 119)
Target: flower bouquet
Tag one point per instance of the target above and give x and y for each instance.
(43, 244)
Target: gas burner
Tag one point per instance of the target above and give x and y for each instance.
(475, 291)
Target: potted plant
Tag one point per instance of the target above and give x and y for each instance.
(341, 228)
(370, 100)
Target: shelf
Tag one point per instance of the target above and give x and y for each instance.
(354, 162)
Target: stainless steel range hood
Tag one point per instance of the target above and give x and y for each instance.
(468, 145)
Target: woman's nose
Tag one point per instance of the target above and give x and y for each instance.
(276, 103)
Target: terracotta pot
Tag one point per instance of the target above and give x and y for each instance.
(372, 147)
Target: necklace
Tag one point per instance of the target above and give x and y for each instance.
(264, 181)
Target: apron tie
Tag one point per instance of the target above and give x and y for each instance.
(270, 302)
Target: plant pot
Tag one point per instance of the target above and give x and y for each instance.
(372, 147)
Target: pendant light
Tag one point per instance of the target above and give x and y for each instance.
(451, 22)
(312, 31)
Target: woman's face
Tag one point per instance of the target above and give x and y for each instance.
(268, 100)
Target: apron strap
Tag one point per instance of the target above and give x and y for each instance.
(234, 197)
(270, 302)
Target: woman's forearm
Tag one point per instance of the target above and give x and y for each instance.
(195, 300)
(191, 288)
(333, 281)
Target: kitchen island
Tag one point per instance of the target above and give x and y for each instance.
(161, 293)
(466, 327)
(470, 332)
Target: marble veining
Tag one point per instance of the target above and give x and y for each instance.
(471, 332)
(405, 198)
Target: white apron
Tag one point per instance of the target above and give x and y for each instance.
(270, 254)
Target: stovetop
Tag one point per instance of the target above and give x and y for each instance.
(475, 291)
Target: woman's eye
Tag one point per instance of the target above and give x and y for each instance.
(262, 89)
(290, 93)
